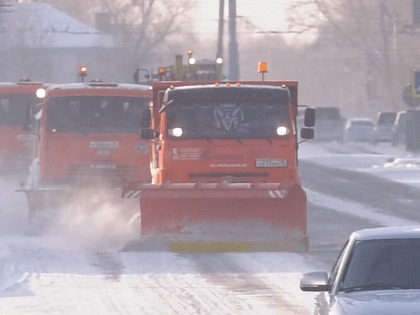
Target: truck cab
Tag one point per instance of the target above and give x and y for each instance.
(208, 133)
(89, 134)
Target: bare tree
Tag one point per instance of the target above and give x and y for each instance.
(141, 25)
(369, 29)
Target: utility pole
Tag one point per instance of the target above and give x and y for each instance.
(233, 44)
(221, 27)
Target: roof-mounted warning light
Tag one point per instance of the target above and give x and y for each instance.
(262, 68)
(191, 60)
(83, 72)
(161, 73)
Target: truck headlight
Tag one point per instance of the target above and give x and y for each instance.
(40, 93)
(282, 131)
(176, 132)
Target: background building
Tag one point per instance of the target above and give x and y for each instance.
(44, 44)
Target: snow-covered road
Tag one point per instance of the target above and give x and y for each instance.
(81, 272)
(76, 273)
(38, 278)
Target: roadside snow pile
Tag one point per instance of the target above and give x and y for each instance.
(405, 162)
(13, 277)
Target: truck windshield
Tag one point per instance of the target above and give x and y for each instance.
(16, 109)
(244, 119)
(95, 113)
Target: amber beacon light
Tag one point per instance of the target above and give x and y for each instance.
(262, 68)
(83, 72)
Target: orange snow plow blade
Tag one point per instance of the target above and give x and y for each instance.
(211, 217)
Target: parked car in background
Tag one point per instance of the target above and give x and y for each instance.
(399, 128)
(383, 129)
(377, 272)
(359, 129)
(329, 124)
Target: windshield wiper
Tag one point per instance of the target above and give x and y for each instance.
(377, 286)
(209, 140)
(220, 129)
(120, 129)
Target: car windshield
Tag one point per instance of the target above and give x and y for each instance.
(383, 264)
(386, 118)
(16, 109)
(208, 119)
(362, 123)
(95, 113)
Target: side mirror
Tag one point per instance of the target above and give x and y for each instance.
(146, 118)
(309, 117)
(147, 134)
(307, 133)
(315, 282)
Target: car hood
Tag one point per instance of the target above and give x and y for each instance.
(390, 302)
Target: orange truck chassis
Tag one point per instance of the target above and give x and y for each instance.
(224, 167)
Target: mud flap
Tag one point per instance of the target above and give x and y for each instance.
(228, 218)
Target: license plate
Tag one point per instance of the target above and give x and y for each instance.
(270, 163)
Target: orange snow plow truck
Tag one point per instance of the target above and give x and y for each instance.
(17, 125)
(88, 139)
(224, 168)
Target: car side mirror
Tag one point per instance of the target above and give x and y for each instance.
(307, 133)
(315, 282)
(147, 134)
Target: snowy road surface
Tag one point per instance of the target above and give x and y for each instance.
(82, 272)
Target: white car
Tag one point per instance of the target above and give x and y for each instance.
(400, 127)
(377, 272)
(329, 124)
(383, 131)
(359, 129)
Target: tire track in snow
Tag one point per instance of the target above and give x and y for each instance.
(110, 265)
(187, 290)
(221, 270)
